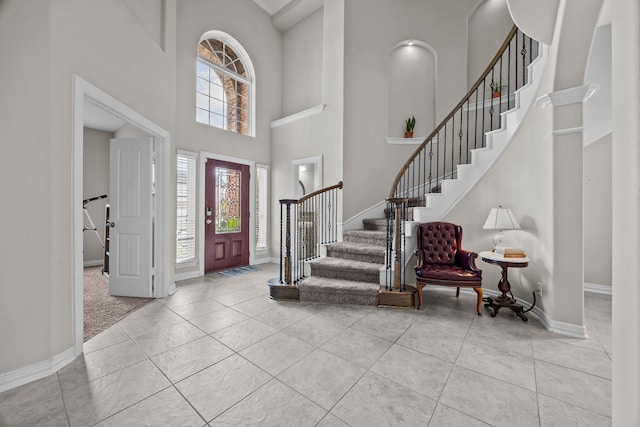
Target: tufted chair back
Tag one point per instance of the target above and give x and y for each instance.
(439, 242)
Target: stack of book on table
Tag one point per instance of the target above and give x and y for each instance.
(508, 252)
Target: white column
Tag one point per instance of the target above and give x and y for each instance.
(626, 212)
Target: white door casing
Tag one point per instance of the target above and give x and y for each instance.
(131, 214)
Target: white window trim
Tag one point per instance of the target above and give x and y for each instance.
(193, 260)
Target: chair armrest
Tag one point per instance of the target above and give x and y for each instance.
(420, 255)
(467, 260)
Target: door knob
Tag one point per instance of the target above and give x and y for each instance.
(209, 221)
(112, 224)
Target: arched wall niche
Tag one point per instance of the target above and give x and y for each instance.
(412, 87)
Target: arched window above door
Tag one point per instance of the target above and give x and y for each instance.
(225, 84)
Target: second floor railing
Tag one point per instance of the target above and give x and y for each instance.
(305, 225)
(451, 142)
(465, 127)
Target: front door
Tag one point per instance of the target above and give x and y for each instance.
(130, 217)
(226, 215)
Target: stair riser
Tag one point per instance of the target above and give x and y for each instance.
(375, 259)
(360, 276)
(327, 298)
(375, 227)
(373, 241)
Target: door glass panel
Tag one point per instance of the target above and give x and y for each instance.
(228, 207)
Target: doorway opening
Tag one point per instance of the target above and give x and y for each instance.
(307, 175)
(87, 97)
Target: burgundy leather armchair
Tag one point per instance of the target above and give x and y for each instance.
(443, 262)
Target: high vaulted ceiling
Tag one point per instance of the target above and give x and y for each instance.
(287, 13)
(272, 6)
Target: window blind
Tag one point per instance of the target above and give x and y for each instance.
(186, 208)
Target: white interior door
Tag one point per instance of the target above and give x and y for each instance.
(130, 195)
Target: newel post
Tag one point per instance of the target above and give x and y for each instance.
(287, 252)
(397, 213)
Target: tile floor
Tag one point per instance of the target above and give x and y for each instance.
(220, 352)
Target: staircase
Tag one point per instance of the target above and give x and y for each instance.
(440, 172)
(350, 273)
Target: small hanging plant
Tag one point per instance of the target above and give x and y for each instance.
(410, 124)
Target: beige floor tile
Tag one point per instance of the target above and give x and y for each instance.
(197, 308)
(243, 334)
(165, 339)
(577, 388)
(314, 330)
(375, 401)
(111, 359)
(274, 404)
(434, 342)
(219, 387)
(166, 408)
(94, 401)
(419, 372)
(445, 416)
(357, 347)
(492, 401)
(192, 357)
(322, 377)
(554, 413)
(505, 363)
(38, 403)
(112, 335)
(218, 320)
(581, 359)
(332, 421)
(156, 316)
(277, 352)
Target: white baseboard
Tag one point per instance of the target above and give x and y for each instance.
(264, 261)
(92, 263)
(34, 372)
(569, 329)
(185, 276)
(598, 289)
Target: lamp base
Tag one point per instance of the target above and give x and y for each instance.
(499, 240)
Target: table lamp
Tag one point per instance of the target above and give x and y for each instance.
(500, 219)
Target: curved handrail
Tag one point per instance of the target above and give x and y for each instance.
(338, 186)
(455, 110)
(305, 225)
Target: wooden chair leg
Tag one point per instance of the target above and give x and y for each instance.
(457, 292)
(479, 292)
(419, 286)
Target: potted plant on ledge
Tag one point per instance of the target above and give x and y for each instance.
(496, 88)
(410, 124)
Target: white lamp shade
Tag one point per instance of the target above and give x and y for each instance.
(501, 219)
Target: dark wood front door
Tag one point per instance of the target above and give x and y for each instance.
(226, 215)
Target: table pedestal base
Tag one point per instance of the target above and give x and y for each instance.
(497, 303)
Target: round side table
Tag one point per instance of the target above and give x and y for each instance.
(506, 299)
